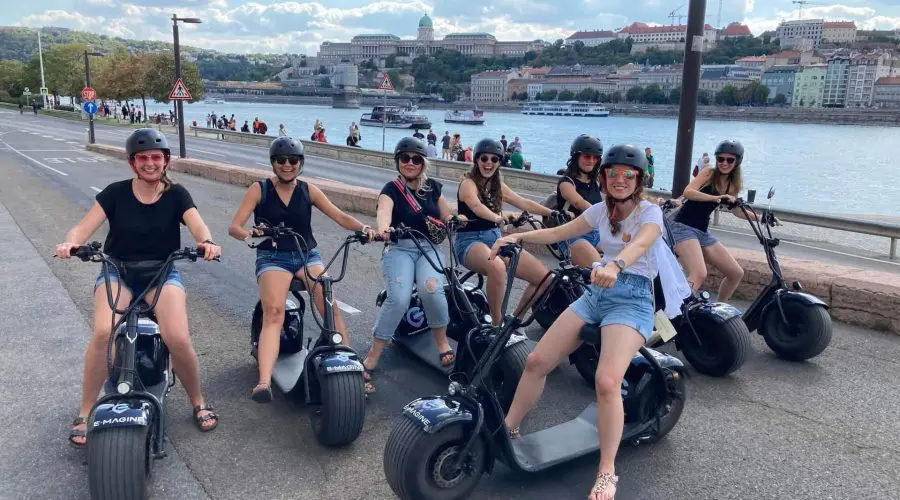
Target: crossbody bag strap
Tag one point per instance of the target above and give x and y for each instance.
(404, 191)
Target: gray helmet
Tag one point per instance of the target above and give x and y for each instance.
(625, 154)
(285, 146)
(145, 139)
(488, 146)
(410, 145)
(586, 144)
(731, 146)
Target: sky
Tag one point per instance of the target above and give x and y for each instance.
(300, 26)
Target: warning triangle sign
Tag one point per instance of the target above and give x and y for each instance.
(180, 91)
(386, 83)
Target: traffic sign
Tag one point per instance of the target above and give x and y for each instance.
(26, 91)
(180, 91)
(386, 83)
(88, 94)
(90, 107)
(44, 91)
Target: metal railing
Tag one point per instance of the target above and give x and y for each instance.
(538, 184)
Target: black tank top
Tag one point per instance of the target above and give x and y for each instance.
(475, 223)
(590, 191)
(296, 215)
(696, 213)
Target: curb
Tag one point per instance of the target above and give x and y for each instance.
(867, 298)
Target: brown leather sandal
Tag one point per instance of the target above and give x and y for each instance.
(76, 433)
(212, 415)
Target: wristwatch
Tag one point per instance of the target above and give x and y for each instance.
(620, 263)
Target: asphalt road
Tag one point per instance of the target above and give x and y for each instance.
(822, 429)
(804, 242)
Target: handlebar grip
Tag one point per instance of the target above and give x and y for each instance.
(585, 273)
(508, 250)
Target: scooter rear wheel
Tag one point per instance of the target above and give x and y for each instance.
(419, 465)
(725, 345)
(806, 334)
(507, 372)
(339, 420)
(118, 463)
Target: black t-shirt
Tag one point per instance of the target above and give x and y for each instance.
(403, 212)
(445, 142)
(143, 232)
(590, 191)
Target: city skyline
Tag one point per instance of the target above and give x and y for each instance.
(243, 26)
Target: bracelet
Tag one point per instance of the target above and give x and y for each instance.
(365, 228)
(209, 241)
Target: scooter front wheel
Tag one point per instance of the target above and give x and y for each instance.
(339, 420)
(805, 335)
(724, 345)
(420, 465)
(118, 463)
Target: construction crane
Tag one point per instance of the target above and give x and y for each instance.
(673, 15)
(800, 4)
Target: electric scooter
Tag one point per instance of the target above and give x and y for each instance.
(795, 325)
(470, 322)
(324, 372)
(126, 426)
(712, 335)
(440, 446)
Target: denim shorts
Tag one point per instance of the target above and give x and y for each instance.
(629, 302)
(136, 287)
(592, 237)
(682, 232)
(291, 261)
(465, 239)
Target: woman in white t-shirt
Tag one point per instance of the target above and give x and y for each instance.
(619, 301)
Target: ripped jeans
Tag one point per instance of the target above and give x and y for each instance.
(402, 265)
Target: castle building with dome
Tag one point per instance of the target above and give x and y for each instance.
(378, 46)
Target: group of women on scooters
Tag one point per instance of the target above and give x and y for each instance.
(617, 235)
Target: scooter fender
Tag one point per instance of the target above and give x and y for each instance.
(434, 413)
(802, 297)
(719, 312)
(334, 362)
(131, 413)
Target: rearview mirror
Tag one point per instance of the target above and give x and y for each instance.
(771, 193)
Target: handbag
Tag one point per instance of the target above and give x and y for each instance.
(436, 229)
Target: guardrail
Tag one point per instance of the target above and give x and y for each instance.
(533, 182)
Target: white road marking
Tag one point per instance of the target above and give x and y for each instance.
(347, 308)
(75, 143)
(845, 254)
(96, 189)
(47, 136)
(60, 172)
(207, 152)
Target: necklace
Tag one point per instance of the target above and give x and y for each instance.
(141, 198)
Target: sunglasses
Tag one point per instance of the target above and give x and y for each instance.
(155, 157)
(613, 172)
(730, 160)
(414, 159)
(489, 158)
(293, 160)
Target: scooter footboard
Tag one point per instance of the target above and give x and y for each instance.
(434, 413)
(127, 413)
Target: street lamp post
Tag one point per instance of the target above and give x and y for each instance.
(690, 85)
(87, 83)
(179, 106)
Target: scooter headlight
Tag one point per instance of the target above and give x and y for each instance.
(123, 388)
(488, 319)
(336, 338)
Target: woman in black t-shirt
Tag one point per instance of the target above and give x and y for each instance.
(144, 215)
(480, 199)
(577, 190)
(410, 199)
(287, 200)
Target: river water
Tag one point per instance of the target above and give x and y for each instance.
(834, 169)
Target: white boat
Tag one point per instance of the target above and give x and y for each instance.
(465, 117)
(564, 108)
(214, 100)
(396, 117)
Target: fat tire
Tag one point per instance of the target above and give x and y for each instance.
(118, 463)
(339, 420)
(585, 359)
(409, 452)
(816, 334)
(732, 341)
(670, 419)
(510, 367)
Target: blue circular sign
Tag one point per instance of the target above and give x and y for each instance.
(90, 107)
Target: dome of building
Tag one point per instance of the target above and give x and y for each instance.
(425, 22)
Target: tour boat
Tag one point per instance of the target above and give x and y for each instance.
(564, 108)
(465, 117)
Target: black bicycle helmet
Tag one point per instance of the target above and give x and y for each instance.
(586, 144)
(145, 139)
(488, 146)
(731, 146)
(410, 145)
(285, 146)
(625, 154)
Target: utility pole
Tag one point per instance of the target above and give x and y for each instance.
(687, 114)
(41, 59)
(87, 83)
(179, 106)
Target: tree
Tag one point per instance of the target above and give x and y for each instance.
(450, 93)
(63, 69)
(703, 97)
(588, 95)
(728, 96)
(755, 94)
(653, 94)
(395, 79)
(547, 95)
(160, 77)
(12, 77)
(675, 95)
(635, 94)
(322, 70)
(566, 95)
(780, 99)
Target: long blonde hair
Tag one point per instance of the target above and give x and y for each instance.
(423, 189)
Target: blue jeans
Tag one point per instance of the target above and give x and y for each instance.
(402, 266)
(629, 302)
(285, 260)
(136, 287)
(465, 239)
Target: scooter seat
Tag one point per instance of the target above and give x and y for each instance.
(590, 334)
(297, 285)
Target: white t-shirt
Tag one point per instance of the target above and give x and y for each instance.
(645, 213)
